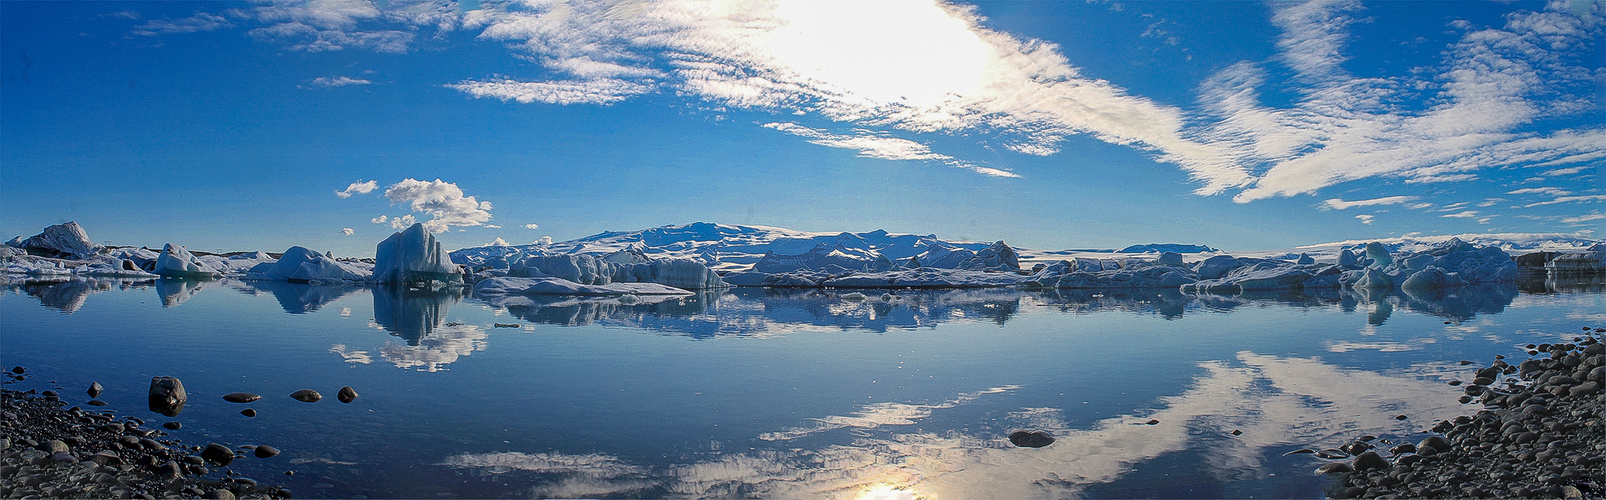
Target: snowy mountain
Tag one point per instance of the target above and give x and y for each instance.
(722, 247)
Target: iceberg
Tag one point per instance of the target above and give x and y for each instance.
(1158, 276)
(1167, 247)
(413, 256)
(237, 262)
(593, 270)
(65, 240)
(996, 257)
(559, 286)
(1216, 267)
(1431, 278)
(925, 277)
(1270, 275)
(824, 256)
(1592, 260)
(177, 262)
(302, 265)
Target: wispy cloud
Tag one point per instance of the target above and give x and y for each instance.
(877, 146)
(1592, 216)
(598, 91)
(348, 231)
(1338, 204)
(1593, 198)
(359, 187)
(201, 21)
(532, 226)
(1467, 214)
(1552, 191)
(1365, 219)
(339, 81)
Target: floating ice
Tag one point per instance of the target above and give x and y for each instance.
(1457, 261)
(592, 270)
(412, 256)
(178, 262)
(1270, 275)
(925, 277)
(302, 265)
(997, 257)
(1592, 260)
(1167, 247)
(66, 240)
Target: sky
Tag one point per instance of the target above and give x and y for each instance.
(1049, 125)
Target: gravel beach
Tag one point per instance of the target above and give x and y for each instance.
(54, 452)
(1540, 435)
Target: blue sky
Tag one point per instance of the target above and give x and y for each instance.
(1050, 125)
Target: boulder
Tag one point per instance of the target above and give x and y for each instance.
(167, 396)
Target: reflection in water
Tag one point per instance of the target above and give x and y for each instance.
(1277, 402)
(175, 291)
(69, 295)
(297, 298)
(418, 316)
(412, 313)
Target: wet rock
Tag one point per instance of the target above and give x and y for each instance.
(249, 412)
(167, 396)
(1030, 439)
(217, 454)
(54, 446)
(96, 402)
(1153, 422)
(240, 397)
(1334, 468)
(1370, 460)
(172, 426)
(346, 394)
(95, 389)
(306, 396)
(265, 451)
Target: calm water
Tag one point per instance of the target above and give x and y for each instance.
(779, 394)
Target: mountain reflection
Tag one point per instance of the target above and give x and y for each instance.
(297, 298)
(412, 313)
(1278, 403)
(761, 312)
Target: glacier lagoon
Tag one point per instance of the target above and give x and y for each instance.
(768, 393)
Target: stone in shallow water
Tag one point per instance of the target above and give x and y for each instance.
(1031, 439)
(306, 396)
(265, 451)
(218, 454)
(346, 394)
(240, 397)
(95, 389)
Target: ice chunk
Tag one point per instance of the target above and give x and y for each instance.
(1138, 277)
(1216, 267)
(1270, 275)
(178, 262)
(559, 286)
(1347, 258)
(592, 270)
(302, 265)
(579, 268)
(1166, 247)
(821, 257)
(1431, 277)
(237, 263)
(413, 256)
(66, 240)
(1169, 259)
(997, 257)
(925, 277)
(686, 274)
(1593, 260)
(1304, 260)
(1377, 255)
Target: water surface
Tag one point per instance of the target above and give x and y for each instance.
(770, 393)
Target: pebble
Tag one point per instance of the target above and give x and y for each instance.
(306, 396)
(95, 389)
(217, 454)
(248, 412)
(172, 426)
(346, 394)
(240, 397)
(1030, 439)
(265, 451)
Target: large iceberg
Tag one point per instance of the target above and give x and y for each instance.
(559, 286)
(65, 240)
(413, 256)
(996, 257)
(1592, 260)
(824, 257)
(925, 277)
(302, 265)
(178, 262)
(1270, 275)
(1450, 263)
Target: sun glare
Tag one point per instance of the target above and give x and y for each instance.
(890, 492)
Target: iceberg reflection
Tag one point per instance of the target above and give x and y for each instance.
(1277, 403)
(69, 295)
(412, 313)
(299, 298)
(175, 291)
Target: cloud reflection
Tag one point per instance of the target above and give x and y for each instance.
(1277, 402)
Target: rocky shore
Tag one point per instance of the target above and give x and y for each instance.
(47, 451)
(1540, 435)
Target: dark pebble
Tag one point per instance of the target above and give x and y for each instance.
(218, 454)
(1400, 417)
(95, 389)
(306, 396)
(96, 402)
(172, 426)
(265, 451)
(346, 394)
(240, 397)
(1153, 422)
(1030, 439)
(17, 370)
(248, 412)
(1237, 432)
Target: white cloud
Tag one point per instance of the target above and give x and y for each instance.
(339, 81)
(1592, 216)
(886, 148)
(443, 201)
(1562, 171)
(492, 226)
(1594, 198)
(531, 226)
(499, 242)
(1468, 214)
(1490, 202)
(544, 241)
(380, 219)
(406, 221)
(599, 91)
(359, 187)
(1338, 204)
(348, 231)
(201, 21)
(1552, 191)
(1365, 219)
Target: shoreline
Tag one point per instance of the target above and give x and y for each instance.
(48, 451)
(1540, 435)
